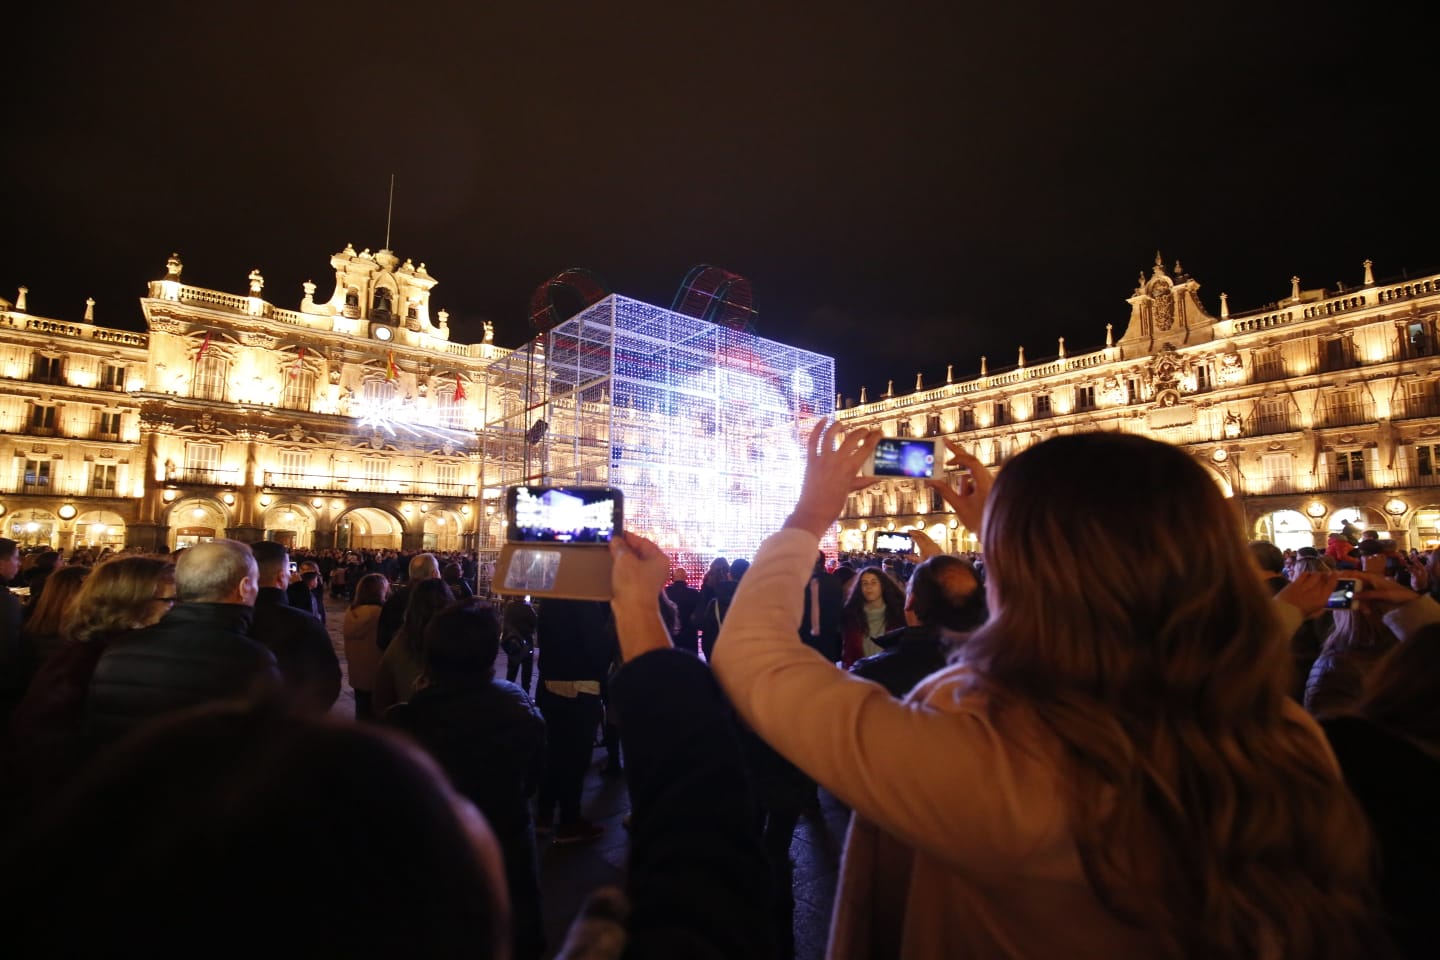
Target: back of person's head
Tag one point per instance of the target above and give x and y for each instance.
(1126, 618)
(1402, 692)
(451, 572)
(844, 574)
(424, 566)
(122, 593)
(1307, 552)
(461, 643)
(47, 561)
(61, 589)
(210, 572)
(221, 822)
(271, 559)
(427, 598)
(1358, 629)
(371, 590)
(678, 575)
(719, 571)
(1267, 556)
(945, 592)
(738, 568)
(8, 548)
(1308, 565)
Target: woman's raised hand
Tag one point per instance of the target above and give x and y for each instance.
(833, 458)
(968, 502)
(636, 578)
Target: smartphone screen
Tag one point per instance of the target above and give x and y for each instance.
(563, 514)
(1343, 597)
(894, 543)
(897, 457)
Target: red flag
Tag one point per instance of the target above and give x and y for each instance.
(459, 388)
(299, 363)
(200, 354)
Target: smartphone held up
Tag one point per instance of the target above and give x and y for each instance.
(557, 541)
(901, 457)
(1343, 596)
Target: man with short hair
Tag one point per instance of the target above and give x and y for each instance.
(197, 653)
(423, 566)
(305, 590)
(12, 657)
(300, 643)
(943, 598)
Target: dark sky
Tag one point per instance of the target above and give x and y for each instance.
(904, 184)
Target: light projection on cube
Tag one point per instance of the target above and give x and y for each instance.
(699, 425)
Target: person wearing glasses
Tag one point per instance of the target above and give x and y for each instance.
(198, 652)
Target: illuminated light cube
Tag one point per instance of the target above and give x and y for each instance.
(700, 426)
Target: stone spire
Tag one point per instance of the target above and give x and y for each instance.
(1109, 334)
(1369, 273)
(1295, 289)
(949, 373)
(919, 382)
(889, 388)
(1224, 306)
(173, 266)
(20, 300)
(1062, 348)
(983, 371)
(1021, 360)
(89, 309)
(862, 396)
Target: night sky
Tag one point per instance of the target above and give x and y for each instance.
(905, 185)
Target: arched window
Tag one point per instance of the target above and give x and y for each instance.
(378, 393)
(380, 306)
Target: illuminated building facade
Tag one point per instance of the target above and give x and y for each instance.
(1322, 408)
(698, 424)
(349, 423)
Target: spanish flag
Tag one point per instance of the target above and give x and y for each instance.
(200, 354)
(459, 388)
(391, 371)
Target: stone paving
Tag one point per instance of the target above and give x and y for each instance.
(570, 872)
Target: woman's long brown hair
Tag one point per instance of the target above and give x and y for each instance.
(1202, 812)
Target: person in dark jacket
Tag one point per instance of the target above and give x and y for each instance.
(12, 649)
(423, 566)
(577, 645)
(943, 599)
(306, 589)
(685, 598)
(517, 637)
(490, 739)
(300, 642)
(824, 611)
(199, 652)
(712, 615)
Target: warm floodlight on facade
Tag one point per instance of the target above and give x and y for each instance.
(699, 425)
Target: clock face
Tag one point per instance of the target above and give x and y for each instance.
(383, 333)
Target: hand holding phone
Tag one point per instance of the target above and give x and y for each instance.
(1342, 597)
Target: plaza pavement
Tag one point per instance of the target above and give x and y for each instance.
(568, 873)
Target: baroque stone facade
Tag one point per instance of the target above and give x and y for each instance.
(1320, 409)
(352, 423)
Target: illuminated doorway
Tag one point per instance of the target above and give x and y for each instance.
(1287, 529)
(367, 528)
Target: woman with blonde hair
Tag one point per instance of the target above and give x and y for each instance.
(1359, 640)
(41, 634)
(122, 594)
(1111, 769)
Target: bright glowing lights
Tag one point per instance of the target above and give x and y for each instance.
(700, 426)
(67, 511)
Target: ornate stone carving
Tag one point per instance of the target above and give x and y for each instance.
(297, 432)
(206, 423)
(159, 324)
(263, 340)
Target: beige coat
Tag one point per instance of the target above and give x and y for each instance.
(960, 845)
(362, 653)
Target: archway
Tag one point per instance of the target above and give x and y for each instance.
(1361, 518)
(1287, 529)
(368, 528)
(442, 531)
(99, 529)
(290, 523)
(33, 528)
(1425, 527)
(196, 521)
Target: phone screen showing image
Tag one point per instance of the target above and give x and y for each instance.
(1343, 596)
(894, 543)
(896, 457)
(564, 514)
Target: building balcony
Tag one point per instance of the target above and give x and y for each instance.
(1351, 415)
(1415, 408)
(277, 480)
(1260, 426)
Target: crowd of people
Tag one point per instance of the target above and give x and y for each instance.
(1122, 734)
